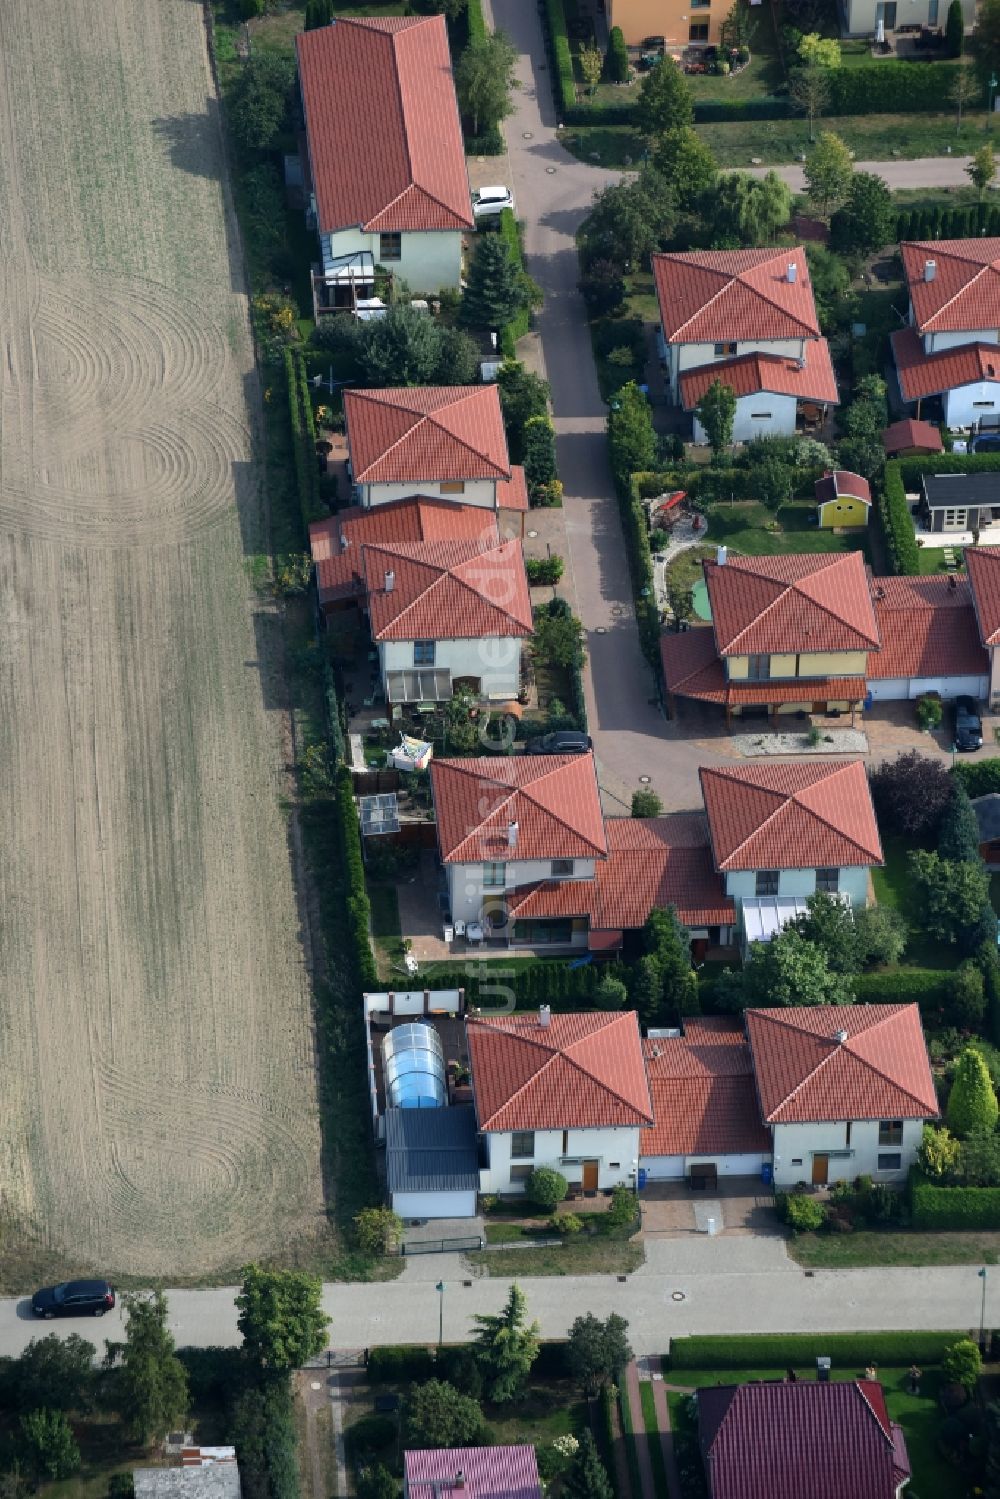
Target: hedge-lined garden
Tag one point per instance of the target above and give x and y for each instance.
(957, 1208)
(792, 1350)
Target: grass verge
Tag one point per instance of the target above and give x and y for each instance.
(652, 1425)
(893, 1247)
(598, 1256)
(628, 1438)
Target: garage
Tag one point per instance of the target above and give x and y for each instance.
(676, 1167)
(432, 1162)
(901, 689)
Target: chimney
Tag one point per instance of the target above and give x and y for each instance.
(792, 272)
(840, 1037)
(512, 834)
(953, 581)
(390, 580)
(721, 553)
(544, 1016)
(459, 1480)
(930, 270)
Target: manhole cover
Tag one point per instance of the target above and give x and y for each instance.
(551, 171)
(532, 533)
(677, 1296)
(527, 135)
(617, 610)
(314, 1384)
(600, 630)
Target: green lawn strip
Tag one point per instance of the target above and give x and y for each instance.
(547, 1411)
(751, 528)
(597, 1256)
(893, 1247)
(628, 1432)
(894, 887)
(651, 1422)
(511, 1233)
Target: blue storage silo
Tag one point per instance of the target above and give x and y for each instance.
(413, 1065)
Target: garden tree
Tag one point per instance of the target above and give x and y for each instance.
(628, 221)
(742, 210)
(522, 396)
(986, 40)
(631, 438)
(667, 940)
(882, 934)
(591, 60)
(954, 29)
(438, 1415)
(831, 284)
(972, 1102)
(602, 287)
(53, 1372)
(738, 27)
(910, 794)
(952, 897)
(458, 355)
(939, 1152)
(646, 992)
(772, 481)
(991, 1476)
(646, 803)
(809, 91)
(539, 453)
(959, 834)
(962, 1364)
(450, 9)
(505, 1348)
(260, 101)
(610, 993)
(716, 411)
(829, 924)
(484, 77)
(401, 348)
(817, 51)
(596, 1351)
(982, 169)
(788, 970)
(586, 1477)
(497, 290)
(867, 219)
(376, 1482)
(318, 13)
(685, 161)
(665, 101)
(14, 1483)
(966, 1004)
(47, 1445)
(120, 1486)
(868, 413)
(963, 90)
(861, 455)
(979, 1160)
(828, 172)
(281, 1319)
(547, 1188)
(151, 1388)
(377, 1230)
(558, 637)
(617, 58)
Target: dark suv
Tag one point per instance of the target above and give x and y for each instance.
(561, 742)
(968, 725)
(74, 1298)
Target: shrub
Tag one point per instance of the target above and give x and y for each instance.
(539, 454)
(939, 1152)
(557, 39)
(546, 1187)
(972, 1103)
(371, 1434)
(911, 794)
(793, 1350)
(378, 1230)
(962, 1364)
(959, 1208)
(438, 1415)
(803, 1214)
(929, 710)
(623, 1207)
(544, 569)
(979, 777)
(897, 524)
(966, 1005)
(400, 1362)
(646, 803)
(617, 58)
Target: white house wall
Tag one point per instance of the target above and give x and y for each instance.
(467, 893)
(970, 403)
(429, 260)
(477, 492)
(495, 660)
(860, 15)
(741, 884)
(796, 1144)
(762, 415)
(680, 357)
(935, 342)
(613, 1149)
(675, 1167)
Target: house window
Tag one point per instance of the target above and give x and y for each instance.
(562, 868)
(725, 351)
(891, 1161)
(520, 1173)
(847, 1133)
(390, 247)
(932, 12)
(698, 31)
(494, 876)
(955, 518)
(760, 416)
(890, 1132)
(828, 880)
(700, 4)
(452, 486)
(988, 404)
(423, 652)
(796, 1160)
(767, 882)
(758, 668)
(522, 1145)
(565, 1149)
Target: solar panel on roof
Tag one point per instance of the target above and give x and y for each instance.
(379, 814)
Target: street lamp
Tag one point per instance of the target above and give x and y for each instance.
(440, 1290)
(993, 85)
(982, 1312)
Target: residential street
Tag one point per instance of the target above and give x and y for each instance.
(729, 1284)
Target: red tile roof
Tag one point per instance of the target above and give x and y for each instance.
(336, 542)
(577, 1072)
(709, 296)
(752, 374)
(553, 799)
(447, 590)
(805, 815)
(512, 493)
(965, 291)
(704, 1098)
(983, 566)
(489, 1473)
(928, 628)
(909, 434)
(782, 1441)
(421, 435)
(385, 140)
(804, 1073)
(799, 602)
(840, 482)
(692, 668)
(923, 374)
(652, 862)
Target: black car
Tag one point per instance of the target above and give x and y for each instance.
(561, 742)
(74, 1298)
(986, 442)
(968, 725)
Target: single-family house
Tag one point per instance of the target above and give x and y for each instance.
(387, 178)
(982, 564)
(828, 1439)
(780, 833)
(787, 634)
(862, 17)
(911, 439)
(432, 1161)
(705, 1109)
(565, 1091)
(747, 318)
(443, 441)
(987, 810)
(951, 347)
(471, 1473)
(203, 1473)
(681, 23)
(930, 640)
(845, 1089)
(843, 500)
(960, 502)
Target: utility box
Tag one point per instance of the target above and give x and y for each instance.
(823, 1366)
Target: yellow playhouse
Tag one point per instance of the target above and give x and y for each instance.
(843, 500)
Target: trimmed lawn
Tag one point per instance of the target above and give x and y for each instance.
(386, 929)
(549, 1410)
(751, 528)
(893, 887)
(893, 1247)
(579, 1256)
(652, 1425)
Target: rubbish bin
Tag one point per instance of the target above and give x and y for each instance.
(766, 1173)
(641, 1181)
(823, 1370)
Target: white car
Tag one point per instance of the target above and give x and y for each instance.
(490, 202)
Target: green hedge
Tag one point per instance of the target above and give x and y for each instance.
(640, 560)
(912, 470)
(518, 326)
(400, 1361)
(560, 59)
(979, 777)
(358, 906)
(927, 987)
(710, 111)
(796, 1349)
(475, 20)
(547, 981)
(491, 144)
(897, 523)
(933, 1207)
(890, 88)
(300, 415)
